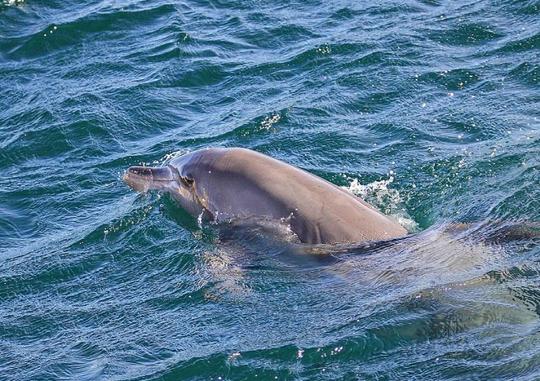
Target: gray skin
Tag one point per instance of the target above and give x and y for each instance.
(224, 184)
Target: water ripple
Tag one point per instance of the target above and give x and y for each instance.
(428, 109)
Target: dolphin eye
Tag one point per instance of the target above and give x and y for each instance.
(187, 181)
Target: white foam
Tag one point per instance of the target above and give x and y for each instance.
(173, 155)
(381, 195)
(13, 2)
(269, 121)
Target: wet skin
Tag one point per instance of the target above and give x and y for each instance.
(224, 184)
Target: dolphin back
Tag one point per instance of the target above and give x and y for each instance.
(243, 183)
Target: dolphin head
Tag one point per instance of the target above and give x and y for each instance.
(185, 178)
(168, 179)
(218, 183)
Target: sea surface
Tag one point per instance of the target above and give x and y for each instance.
(429, 109)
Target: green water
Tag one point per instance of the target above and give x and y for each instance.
(428, 109)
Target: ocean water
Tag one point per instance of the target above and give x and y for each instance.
(428, 109)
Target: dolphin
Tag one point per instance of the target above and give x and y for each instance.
(231, 184)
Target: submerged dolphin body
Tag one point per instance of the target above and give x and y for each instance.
(224, 184)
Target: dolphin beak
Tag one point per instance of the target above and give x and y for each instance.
(143, 179)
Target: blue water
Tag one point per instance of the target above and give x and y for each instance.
(427, 109)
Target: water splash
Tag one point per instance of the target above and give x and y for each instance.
(173, 155)
(12, 2)
(269, 121)
(380, 194)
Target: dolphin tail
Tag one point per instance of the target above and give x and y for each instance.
(528, 230)
(143, 179)
(498, 232)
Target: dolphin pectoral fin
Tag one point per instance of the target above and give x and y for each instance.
(143, 179)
